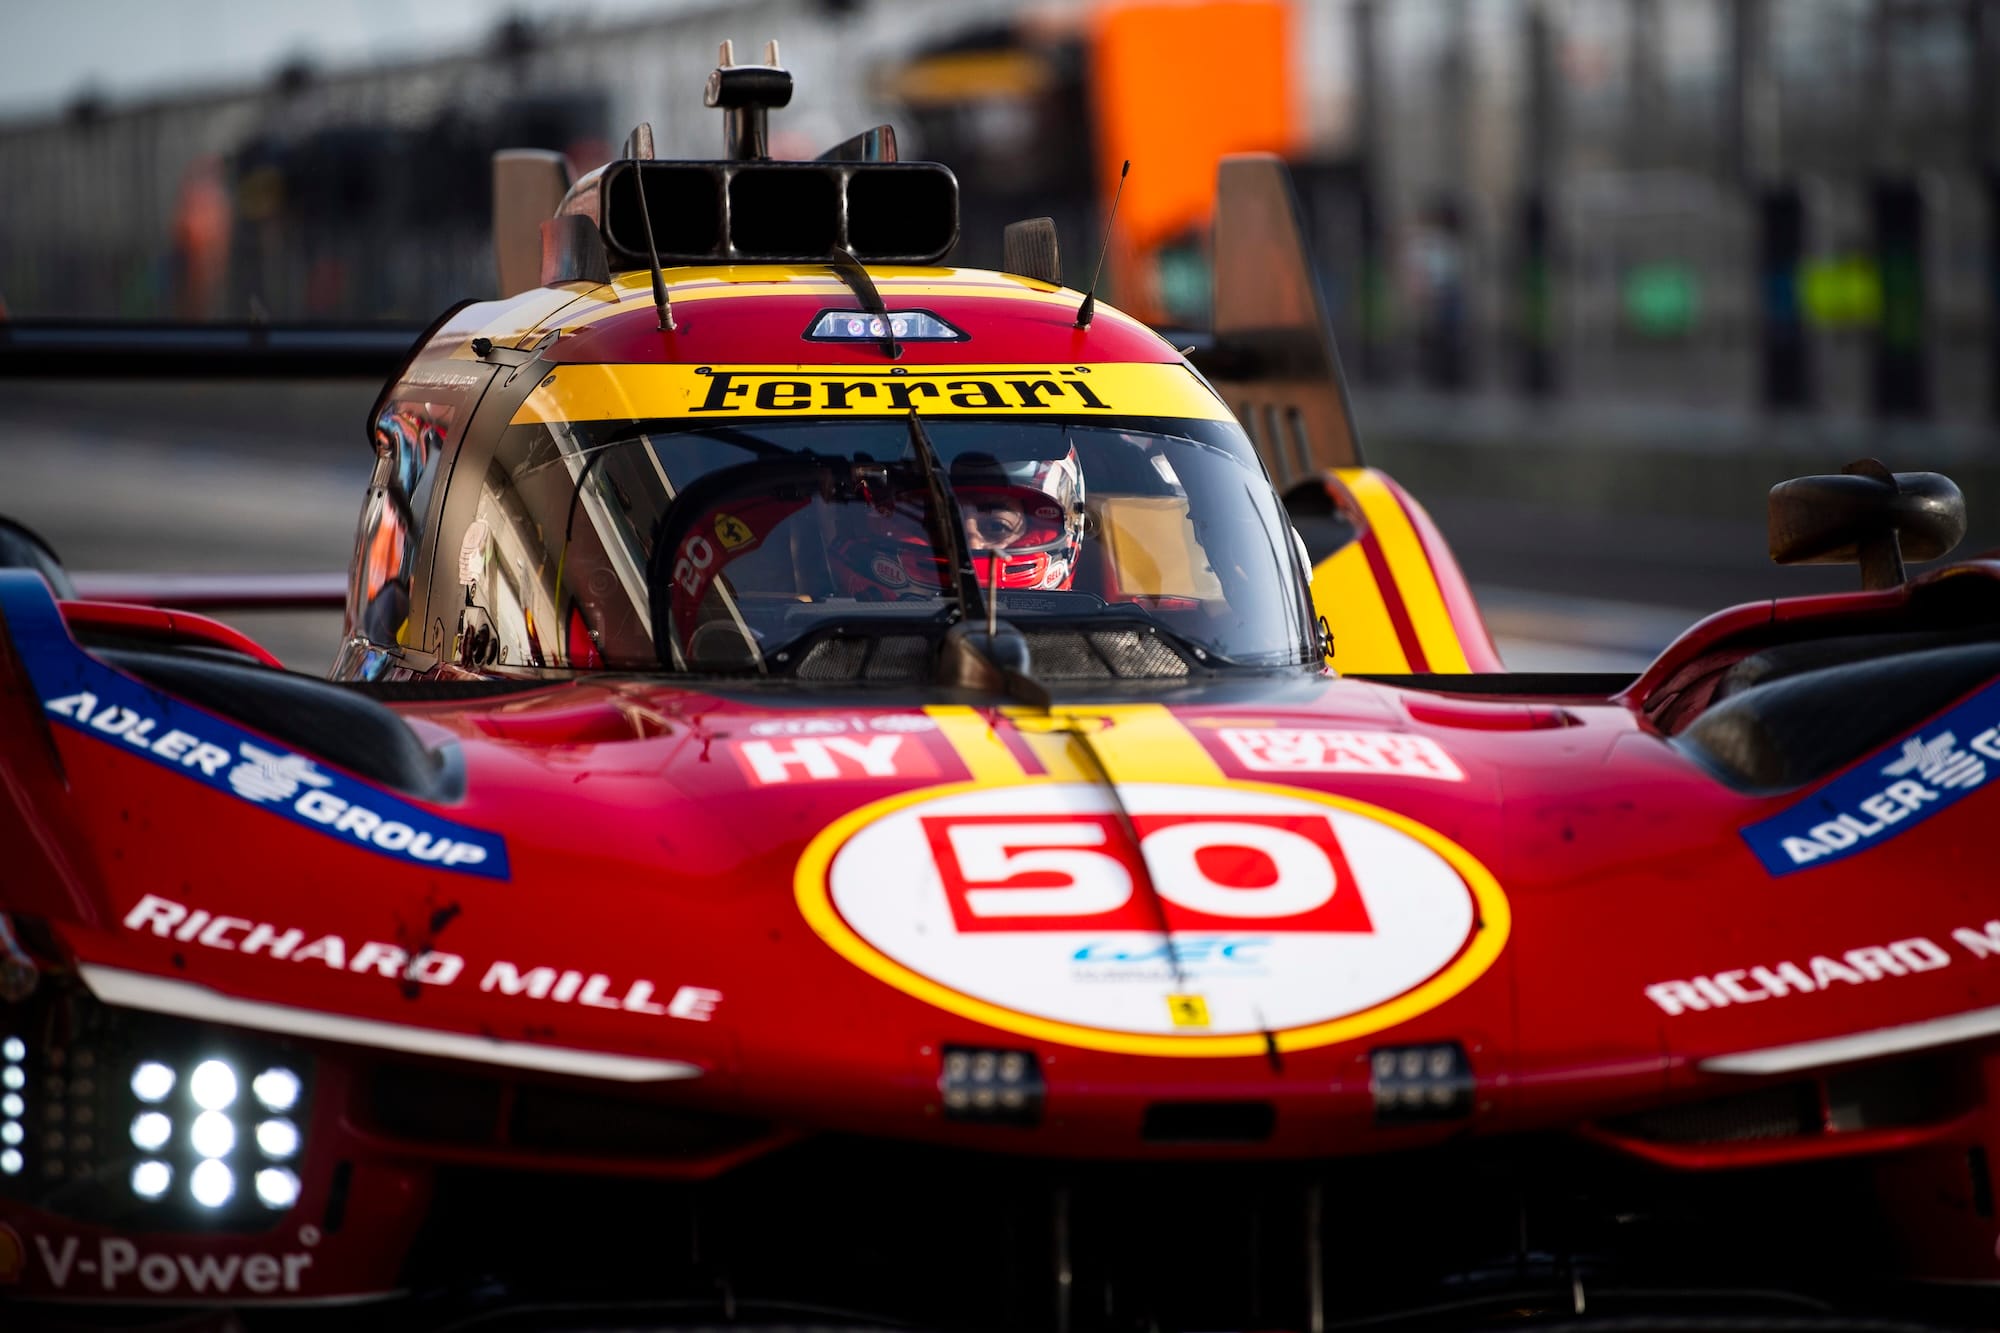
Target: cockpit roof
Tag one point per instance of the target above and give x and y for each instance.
(761, 313)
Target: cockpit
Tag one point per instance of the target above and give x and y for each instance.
(819, 548)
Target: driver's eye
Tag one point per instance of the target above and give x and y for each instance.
(994, 525)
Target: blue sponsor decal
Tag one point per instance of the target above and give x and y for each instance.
(1894, 790)
(80, 692)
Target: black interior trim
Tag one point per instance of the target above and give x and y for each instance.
(1798, 728)
(1507, 684)
(325, 720)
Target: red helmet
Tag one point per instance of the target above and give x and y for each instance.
(1027, 515)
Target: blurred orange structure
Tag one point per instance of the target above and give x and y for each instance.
(1174, 87)
(1035, 113)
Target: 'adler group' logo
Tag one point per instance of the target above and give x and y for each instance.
(1193, 922)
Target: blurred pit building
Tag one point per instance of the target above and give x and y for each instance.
(1764, 206)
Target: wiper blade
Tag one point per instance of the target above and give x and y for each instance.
(951, 522)
(975, 655)
(855, 274)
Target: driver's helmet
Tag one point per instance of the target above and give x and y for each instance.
(1027, 515)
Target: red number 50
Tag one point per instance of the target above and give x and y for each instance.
(1081, 872)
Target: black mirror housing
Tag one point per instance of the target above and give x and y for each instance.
(1866, 515)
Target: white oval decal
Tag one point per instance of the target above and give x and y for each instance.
(1266, 911)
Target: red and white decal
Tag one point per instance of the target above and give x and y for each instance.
(794, 759)
(1302, 750)
(820, 724)
(1278, 911)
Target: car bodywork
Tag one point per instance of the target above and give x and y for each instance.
(1346, 991)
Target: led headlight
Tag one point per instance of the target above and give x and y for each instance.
(152, 1081)
(977, 1083)
(228, 1135)
(212, 1085)
(277, 1139)
(131, 1120)
(1419, 1083)
(277, 1089)
(151, 1179)
(13, 1105)
(213, 1134)
(277, 1187)
(151, 1130)
(211, 1183)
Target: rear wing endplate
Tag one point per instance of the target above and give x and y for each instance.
(1272, 357)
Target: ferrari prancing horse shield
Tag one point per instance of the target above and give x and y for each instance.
(1045, 910)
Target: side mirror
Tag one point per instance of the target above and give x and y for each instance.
(1867, 515)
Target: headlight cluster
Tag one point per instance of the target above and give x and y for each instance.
(48, 1111)
(201, 1125)
(115, 1117)
(1411, 1084)
(976, 1083)
(13, 1105)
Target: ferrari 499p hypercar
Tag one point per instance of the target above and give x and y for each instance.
(856, 791)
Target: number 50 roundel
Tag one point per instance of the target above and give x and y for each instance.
(1254, 909)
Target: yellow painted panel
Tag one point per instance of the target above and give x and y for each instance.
(1344, 591)
(621, 392)
(1411, 569)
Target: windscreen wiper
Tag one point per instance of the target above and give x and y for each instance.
(951, 525)
(989, 656)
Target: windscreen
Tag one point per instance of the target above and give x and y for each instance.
(650, 545)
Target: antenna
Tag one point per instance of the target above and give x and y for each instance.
(660, 301)
(1088, 310)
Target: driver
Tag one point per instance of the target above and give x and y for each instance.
(1025, 517)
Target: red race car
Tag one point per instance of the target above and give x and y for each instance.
(836, 804)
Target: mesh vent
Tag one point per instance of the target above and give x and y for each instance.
(1060, 656)
(1788, 1111)
(834, 659)
(1133, 654)
(900, 657)
(1054, 655)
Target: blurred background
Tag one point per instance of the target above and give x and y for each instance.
(1601, 270)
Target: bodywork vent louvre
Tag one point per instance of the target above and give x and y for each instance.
(1788, 1111)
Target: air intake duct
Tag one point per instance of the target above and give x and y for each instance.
(780, 212)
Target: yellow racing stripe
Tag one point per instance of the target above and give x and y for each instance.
(1345, 592)
(986, 757)
(1411, 568)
